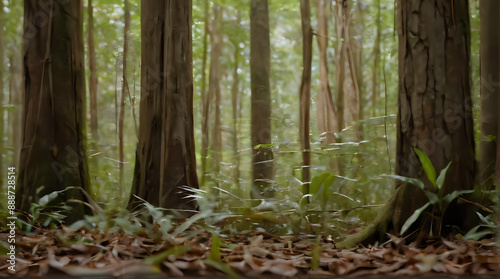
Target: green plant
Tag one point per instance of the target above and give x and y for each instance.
(436, 200)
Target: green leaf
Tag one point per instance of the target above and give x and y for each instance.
(165, 255)
(410, 180)
(427, 166)
(413, 218)
(453, 195)
(214, 258)
(442, 176)
(316, 254)
(433, 197)
(316, 183)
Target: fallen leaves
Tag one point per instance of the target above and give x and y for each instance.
(199, 252)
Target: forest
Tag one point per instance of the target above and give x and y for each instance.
(247, 138)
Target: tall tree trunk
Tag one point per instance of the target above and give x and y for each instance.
(54, 141)
(236, 108)
(435, 113)
(327, 120)
(340, 22)
(204, 100)
(2, 92)
(93, 72)
(124, 90)
(166, 160)
(260, 68)
(305, 93)
(376, 58)
(489, 14)
(214, 94)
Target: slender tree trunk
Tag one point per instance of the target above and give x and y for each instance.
(54, 141)
(124, 90)
(260, 68)
(305, 93)
(435, 111)
(204, 100)
(93, 72)
(340, 20)
(489, 14)
(2, 110)
(236, 108)
(327, 120)
(376, 59)
(166, 162)
(214, 90)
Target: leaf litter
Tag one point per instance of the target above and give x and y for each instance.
(198, 252)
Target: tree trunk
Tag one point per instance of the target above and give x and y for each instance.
(165, 154)
(214, 95)
(53, 152)
(489, 14)
(435, 111)
(340, 20)
(260, 68)
(204, 100)
(2, 106)
(124, 91)
(305, 93)
(93, 72)
(236, 108)
(376, 58)
(327, 120)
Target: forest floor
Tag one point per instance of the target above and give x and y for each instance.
(63, 253)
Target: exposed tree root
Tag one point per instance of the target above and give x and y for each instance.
(375, 231)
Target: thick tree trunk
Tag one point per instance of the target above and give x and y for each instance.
(165, 154)
(327, 120)
(435, 111)
(305, 93)
(2, 92)
(260, 68)
(53, 152)
(489, 14)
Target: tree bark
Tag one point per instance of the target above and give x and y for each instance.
(54, 140)
(435, 111)
(124, 91)
(327, 119)
(305, 93)
(236, 108)
(93, 72)
(214, 94)
(376, 58)
(166, 153)
(260, 57)
(204, 100)
(489, 13)
(2, 107)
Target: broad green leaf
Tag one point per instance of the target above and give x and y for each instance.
(485, 219)
(427, 166)
(413, 218)
(316, 183)
(442, 176)
(165, 255)
(476, 235)
(410, 180)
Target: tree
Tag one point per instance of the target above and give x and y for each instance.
(490, 89)
(165, 157)
(327, 120)
(305, 93)
(53, 148)
(435, 114)
(260, 67)
(93, 71)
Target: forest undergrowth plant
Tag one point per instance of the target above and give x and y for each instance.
(438, 203)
